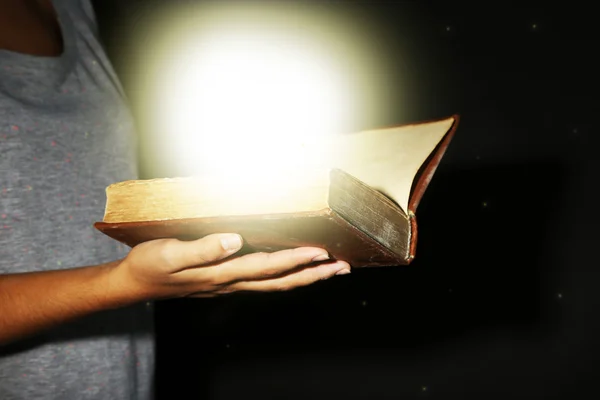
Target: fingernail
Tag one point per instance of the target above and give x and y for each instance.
(231, 242)
(321, 257)
(343, 272)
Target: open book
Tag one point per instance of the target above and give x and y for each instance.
(359, 205)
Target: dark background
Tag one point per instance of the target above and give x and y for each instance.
(502, 299)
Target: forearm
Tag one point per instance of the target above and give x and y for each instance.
(31, 302)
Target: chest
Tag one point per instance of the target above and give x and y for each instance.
(79, 140)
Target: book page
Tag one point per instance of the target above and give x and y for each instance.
(200, 197)
(385, 159)
(388, 159)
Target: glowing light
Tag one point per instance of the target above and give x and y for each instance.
(242, 90)
(253, 103)
(248, 95)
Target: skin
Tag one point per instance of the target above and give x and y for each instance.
(30, 27)
(159, 269)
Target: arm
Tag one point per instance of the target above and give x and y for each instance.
(33, 301)
(159, 269)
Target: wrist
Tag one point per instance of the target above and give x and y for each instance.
(118, 290)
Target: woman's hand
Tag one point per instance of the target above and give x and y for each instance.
(168, 268)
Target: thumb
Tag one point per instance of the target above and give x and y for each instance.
(206, 250)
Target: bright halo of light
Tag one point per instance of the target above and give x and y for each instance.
(249, 94)
(252, 103)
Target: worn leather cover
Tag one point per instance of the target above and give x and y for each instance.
(325, 228)
(421, 182)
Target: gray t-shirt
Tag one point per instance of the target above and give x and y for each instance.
(66, 134)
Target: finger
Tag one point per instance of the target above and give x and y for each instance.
(211, 248)
(259, 265)
(303, 277)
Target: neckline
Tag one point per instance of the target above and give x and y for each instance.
(66, 30)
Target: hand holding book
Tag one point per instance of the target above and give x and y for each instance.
(208, 267)
(163, 268)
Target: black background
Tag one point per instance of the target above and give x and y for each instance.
(502, 299)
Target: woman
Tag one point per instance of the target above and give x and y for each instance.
(75, 317)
